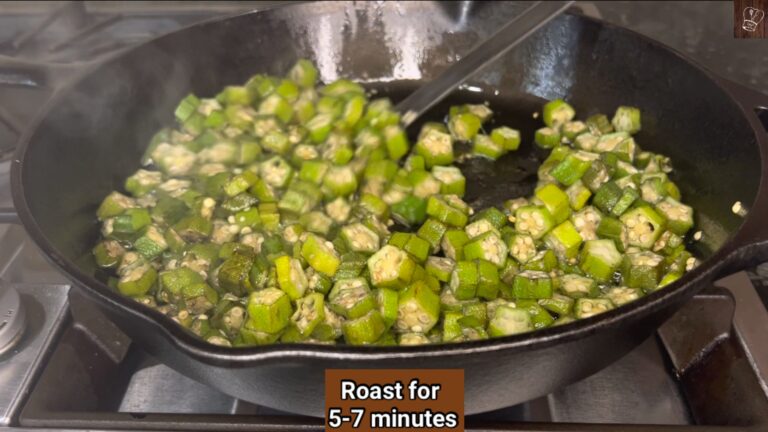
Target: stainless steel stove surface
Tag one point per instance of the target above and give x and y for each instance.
(71, 369)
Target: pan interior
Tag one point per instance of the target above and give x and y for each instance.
(92, 137)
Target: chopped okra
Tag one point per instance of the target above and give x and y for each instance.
(286, 210)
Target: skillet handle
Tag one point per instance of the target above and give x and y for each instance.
(750, 245)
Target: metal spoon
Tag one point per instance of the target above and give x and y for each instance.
(488, 51)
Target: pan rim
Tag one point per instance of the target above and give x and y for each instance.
(201, 350)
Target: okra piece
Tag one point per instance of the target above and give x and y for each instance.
(599, 124)
(507, 275)
(535, 221)
(374, 205)
(313, 171)
(131, 221)
(607, 196)
(186, 107)
(507, 138)
(628, 196)
(556, 202)
(399, 239)
(572, 129)
(452, 181)
(440, 268)
(303, 73)
(558, 303)
(411, 339)
(418, 309)
(573, 167)
(600, 259)
(547, 137)
(483, 145)
(597, 175)
(585, 141)
(275, 171)
(309, 313)
(229, 316)
(668, 279)
(642, 270)
(351, 298)
(488, 280)
(540, 318)
(321, 255)
(108, 253)
(464, 280)
(396, 142)
(249, 336)
(521, 247)
(137, 279)
(446, 210)
(669, 243)
(278, 106)
(432, 231)
(587, 307)
(532, 285)
(557, 113)
(339, 181)
(234, 274)
(199, 298)
(391, 267)
(424, 184)
(578, 195)
(487, 246)
(291, 277)
(269, 310)
(360, 238)
(614, 229)
(330, 328)
(453, 243)
(679, 216)
(387, 301)
(565, 240)
(410, 211)
(586, 222)
(623, 295)
(464, 126)
(507, 320)
(365, 329)
(543, 261)
(141, 183)
(627, 119)
(492, 215)
(417, 247)
(644, 226)
(151, 244)
(435, 147)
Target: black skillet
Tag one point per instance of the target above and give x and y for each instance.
(92, 135)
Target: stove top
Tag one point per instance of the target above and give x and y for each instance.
(71, 369)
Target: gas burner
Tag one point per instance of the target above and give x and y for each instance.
(12, 317)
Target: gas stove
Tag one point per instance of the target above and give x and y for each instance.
(64, 366)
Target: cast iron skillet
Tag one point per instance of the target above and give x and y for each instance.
(90, 137)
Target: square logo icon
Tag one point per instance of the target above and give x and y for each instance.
(749, 19)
